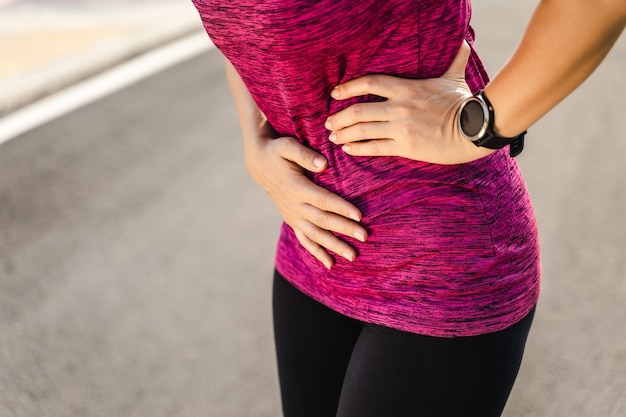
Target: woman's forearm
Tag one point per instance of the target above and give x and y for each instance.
(251, 119)
(564, 43)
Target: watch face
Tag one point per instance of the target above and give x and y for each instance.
(472, 118)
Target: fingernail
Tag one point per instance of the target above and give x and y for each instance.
(318, 161)
(327, 264)
(328, 125)
(334, 92)
(346, 148)
(348, 256)
(355, 217)
(359, 236)
(332, 137)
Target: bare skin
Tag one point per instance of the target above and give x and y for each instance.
(566, 39)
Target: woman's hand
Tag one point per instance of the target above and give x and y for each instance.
(313, 212)
(417, 121)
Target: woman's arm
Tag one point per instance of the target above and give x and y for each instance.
(277, 164)
(564, 43)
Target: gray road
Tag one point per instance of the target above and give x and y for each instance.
(135, 253)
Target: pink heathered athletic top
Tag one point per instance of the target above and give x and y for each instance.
(452, 249)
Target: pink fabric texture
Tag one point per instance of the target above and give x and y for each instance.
(453, 249)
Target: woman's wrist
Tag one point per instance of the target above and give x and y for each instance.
(504, 123)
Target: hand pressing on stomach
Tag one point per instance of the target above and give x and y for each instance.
(418, 119)
(278, 165)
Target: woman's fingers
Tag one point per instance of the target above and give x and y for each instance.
(376, 84)
(314, 227)
(314, 249)
(361, 131)
(315, 214)
(329, 221)
(326, 201)
(292, 150)
(319, 240)
(328, 241)
(316, 196)
(358, 113)
(375, 147)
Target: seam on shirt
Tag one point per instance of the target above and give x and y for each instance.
(482, 205)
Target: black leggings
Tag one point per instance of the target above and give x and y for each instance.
(330, 365)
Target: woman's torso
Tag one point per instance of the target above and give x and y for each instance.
(452, 249)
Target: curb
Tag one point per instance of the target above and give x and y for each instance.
(28, 87)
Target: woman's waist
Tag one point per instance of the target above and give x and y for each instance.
(377, 185)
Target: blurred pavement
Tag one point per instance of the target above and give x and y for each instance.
(48, 45)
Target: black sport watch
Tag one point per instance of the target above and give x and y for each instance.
(476, 120)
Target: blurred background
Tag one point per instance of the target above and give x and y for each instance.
(136, 254)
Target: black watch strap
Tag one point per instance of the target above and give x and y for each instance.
(491, 141)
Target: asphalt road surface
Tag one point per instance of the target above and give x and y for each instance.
(136, 253)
